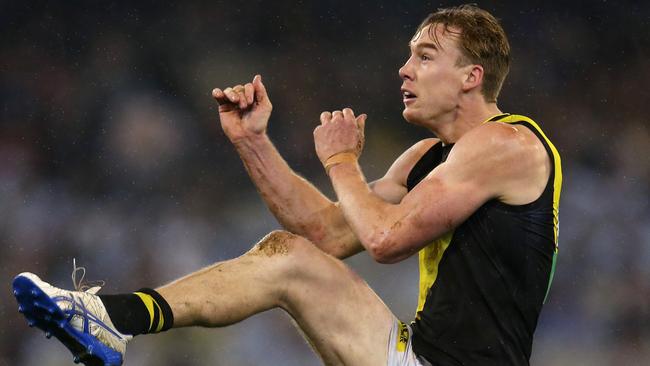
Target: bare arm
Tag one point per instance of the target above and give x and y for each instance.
(299, 206)
(296, 203)
(491, 161)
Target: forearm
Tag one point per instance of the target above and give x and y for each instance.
(375, 222)
(297, 204)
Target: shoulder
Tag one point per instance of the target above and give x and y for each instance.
(419, 148)
(415, 152)
(499, 142)
(405, 162)
(392, 186)
(508, 160)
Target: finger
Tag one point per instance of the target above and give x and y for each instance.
(361, 121)
(336, 115)
(239, 90)
(231, 95)
(249, 92)
(220, 96)
(217, 94)
(260, 89)
(243, 102)
(325, 117)
(317, 132)
(348, 114)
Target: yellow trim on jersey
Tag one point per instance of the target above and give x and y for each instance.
(148, 303)
(557, 188)
(557, 183)
(494, 116)
(429, 259)
(430, 256)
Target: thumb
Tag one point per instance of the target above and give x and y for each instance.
(260, 90)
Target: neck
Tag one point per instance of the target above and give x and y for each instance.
(451, 126)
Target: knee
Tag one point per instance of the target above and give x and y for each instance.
(280, 244)
(285, 256)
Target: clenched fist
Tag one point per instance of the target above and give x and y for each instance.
(339, 131)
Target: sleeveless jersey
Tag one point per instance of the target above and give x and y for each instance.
(483, 284)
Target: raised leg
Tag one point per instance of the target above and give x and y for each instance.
(340, 315)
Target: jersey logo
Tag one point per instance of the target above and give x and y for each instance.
(403, 335)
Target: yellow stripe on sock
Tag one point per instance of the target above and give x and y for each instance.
(148, 303)
(161, 319)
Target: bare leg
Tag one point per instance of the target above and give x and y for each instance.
(341, 316)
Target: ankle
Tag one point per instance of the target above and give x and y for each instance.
(142, 312)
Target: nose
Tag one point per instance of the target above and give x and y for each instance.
(406, 71)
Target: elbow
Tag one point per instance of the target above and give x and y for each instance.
(387, 246)
(386, 260)
(383, 252)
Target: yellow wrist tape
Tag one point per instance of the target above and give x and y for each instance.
(339, 158)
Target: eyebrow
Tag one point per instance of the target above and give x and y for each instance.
(422, 45)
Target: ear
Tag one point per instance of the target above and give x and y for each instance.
(473, 77)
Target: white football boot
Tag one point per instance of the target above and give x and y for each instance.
(77, 318)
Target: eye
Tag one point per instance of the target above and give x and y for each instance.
(425, 57)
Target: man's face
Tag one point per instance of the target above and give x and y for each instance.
(432, 81)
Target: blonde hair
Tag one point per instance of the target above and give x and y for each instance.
(482, 41)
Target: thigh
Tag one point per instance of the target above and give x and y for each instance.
(343, 318)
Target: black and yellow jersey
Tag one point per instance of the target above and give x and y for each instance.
(482, 285)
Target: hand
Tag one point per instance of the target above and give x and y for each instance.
(244, 110)
(340, 131)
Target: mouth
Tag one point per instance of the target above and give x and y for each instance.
(408, 96)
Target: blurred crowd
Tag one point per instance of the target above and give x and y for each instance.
(111, 153)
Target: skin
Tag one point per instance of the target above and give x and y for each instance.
(488, 161)
(299, 270)
(340, 315)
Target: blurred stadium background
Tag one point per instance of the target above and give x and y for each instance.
(111, 152)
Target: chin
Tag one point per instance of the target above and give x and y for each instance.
(411, 116)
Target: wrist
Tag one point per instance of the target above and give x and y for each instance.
(251, 141)
(344, 167)
(338, 159)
